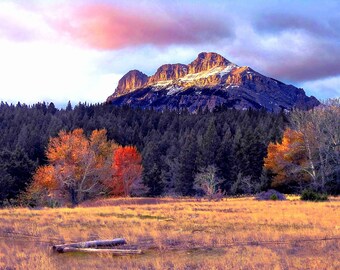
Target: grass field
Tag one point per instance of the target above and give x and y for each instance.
(238, 233)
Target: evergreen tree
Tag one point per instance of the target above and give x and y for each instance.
(152, 169)
(208, 145)
(16, 170)
(187, 167)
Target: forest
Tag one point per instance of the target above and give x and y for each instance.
(245, 152)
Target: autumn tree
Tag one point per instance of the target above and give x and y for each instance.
(311, 152)
(78, 165)
(288, 160)
(320, 129)
(126, 172)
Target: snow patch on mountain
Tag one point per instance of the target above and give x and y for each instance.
(191, 78)
(173, 90)
(206, 74)
(227, 69)
(162, 83)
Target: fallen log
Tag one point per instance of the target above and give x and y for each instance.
(91, 244)
(102, 250)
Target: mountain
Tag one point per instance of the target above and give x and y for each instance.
(209, 81)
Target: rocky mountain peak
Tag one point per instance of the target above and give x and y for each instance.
(205, 70)
(206, 61)
(132, 80)
(209, 81)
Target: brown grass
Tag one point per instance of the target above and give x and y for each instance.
(177, 234)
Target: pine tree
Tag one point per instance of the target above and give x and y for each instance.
(187, 167)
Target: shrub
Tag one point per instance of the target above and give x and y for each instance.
(270, 194)
(273, 197)
(310, 195)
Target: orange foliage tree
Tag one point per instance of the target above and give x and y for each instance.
(78, 166)
(287, 159)
(127, 171)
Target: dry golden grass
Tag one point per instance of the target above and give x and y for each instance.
(238, 233)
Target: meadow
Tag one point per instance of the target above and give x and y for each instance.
(235, 233)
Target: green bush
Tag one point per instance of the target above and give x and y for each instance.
(310, 195)
(273, 197)
(270, 194)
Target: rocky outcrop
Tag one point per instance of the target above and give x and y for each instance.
(203, 71)
(168, 72)
(209, 81)
(132, 80)
(206, 61)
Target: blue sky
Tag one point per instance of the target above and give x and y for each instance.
(77, 50)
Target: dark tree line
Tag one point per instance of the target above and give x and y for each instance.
(175, 146)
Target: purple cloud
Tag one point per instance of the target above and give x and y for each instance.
(276, 22)
(292, 47)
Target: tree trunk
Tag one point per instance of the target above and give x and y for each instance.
(91, 244)
(111, 251)
(74, 197)
(310, 160)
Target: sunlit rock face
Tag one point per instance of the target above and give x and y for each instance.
(209, 81)
(131, 81)
(168, 72)
(206, 61)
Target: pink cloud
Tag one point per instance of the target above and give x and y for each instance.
(104, 26)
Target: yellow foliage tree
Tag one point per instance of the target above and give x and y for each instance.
(288, 159)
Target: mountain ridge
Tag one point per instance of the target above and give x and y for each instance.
(209, 81)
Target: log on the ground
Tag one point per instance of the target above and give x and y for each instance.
(91, 244)
(102, 250)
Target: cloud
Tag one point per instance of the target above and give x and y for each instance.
(276, 22)
(108, 27)
(325, 88)
(293, 46)
(20, 23)
(318, 63)
(291, 56)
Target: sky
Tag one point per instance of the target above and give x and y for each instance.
(59, 50)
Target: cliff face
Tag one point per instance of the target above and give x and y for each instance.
(203, 71)
(168, 72)
(209, 81)
(206, 61)
(132, 80)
